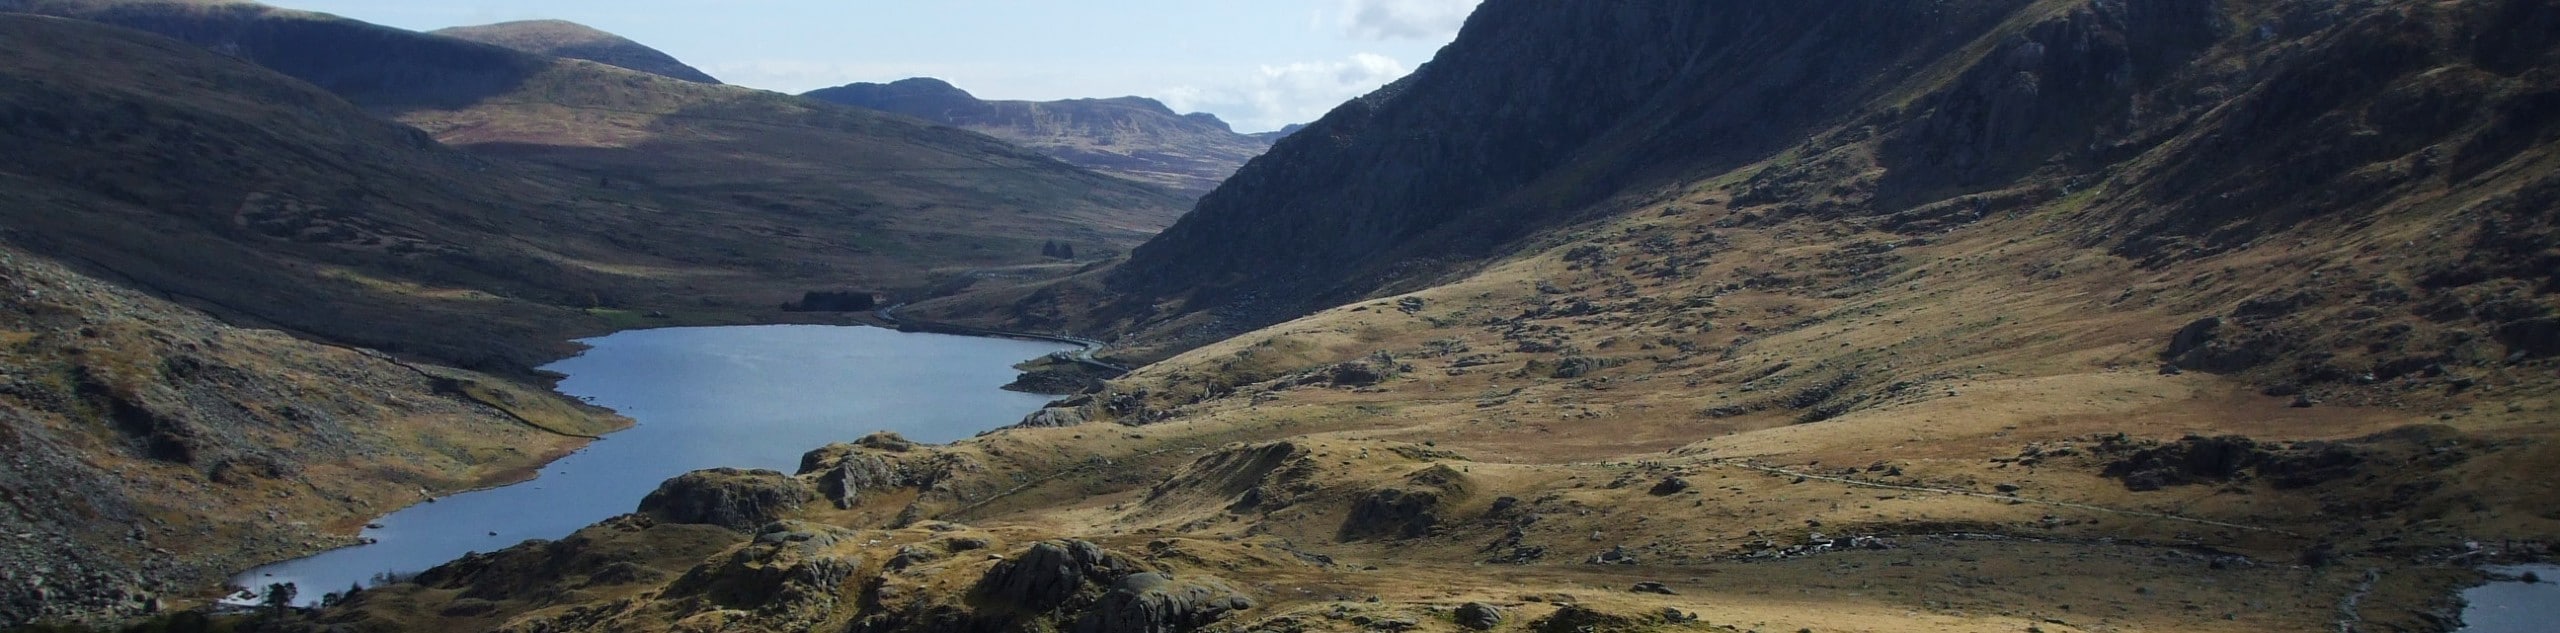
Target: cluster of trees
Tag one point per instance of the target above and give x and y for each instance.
(845, 301)
(1057, 249)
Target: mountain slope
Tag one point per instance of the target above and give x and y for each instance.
(154, 450)
(1130, 137)
(862, 199)
(558, 38)
(1678, 315)
(142, 179)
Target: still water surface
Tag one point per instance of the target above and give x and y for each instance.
(747, 397)
(2514, 607)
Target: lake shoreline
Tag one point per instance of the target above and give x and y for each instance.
(700, 398)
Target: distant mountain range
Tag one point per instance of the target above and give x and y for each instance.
(557, 38)
(1131, 137)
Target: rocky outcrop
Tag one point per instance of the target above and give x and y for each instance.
(1150, 602)
(1479, 616)
(2201, 460)
(1537, 109)
(843, 474)
(727, 497)
(1052, 417)
(792, 576)
(1053, 573)
(1406, 512)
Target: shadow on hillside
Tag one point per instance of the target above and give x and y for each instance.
(374, 66)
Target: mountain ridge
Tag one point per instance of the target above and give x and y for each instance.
(1136, 138)
(561, 38)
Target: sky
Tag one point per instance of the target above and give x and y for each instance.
(1259, 64)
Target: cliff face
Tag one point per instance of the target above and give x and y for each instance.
(1533, 113)
(2210, 124)
(556, 38)
(1131, 137)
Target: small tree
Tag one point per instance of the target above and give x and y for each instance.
(279, 597)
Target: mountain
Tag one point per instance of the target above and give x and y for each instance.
(1131, 137)
(766, 195)
(243, 309)
(154, 450)
(558, 38)
(1723, 315)
(1274, 136)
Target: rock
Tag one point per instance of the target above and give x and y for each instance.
(727, 497)
(2007, 488)
(1670, 486)
(2303, 402)
(1393, 513)
(1051, 418)
(1653, 588)
(791, 575)
(1405, 512)
(1355, 374)
(2197, 459)
(1615, 556)
(1479, 616)
(2193, 336)
(1575, 617)
(910, 556)
(1052, 572)
(2532, 338)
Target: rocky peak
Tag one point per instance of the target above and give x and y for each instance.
(727, 497)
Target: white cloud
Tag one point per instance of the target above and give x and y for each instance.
(1429, 20)
(1277, 95)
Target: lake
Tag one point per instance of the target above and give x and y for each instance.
(746, 397)
(2514, 607)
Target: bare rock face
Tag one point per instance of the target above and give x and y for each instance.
(1479, 616)
(790, 577)
(1406, 512)
(843, 473)
(736, 499)
(1053, 573)
(2201, 460)
(1158, 603)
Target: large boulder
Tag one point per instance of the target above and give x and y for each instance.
(1151, 602)
(740, 500)
(1052, 573)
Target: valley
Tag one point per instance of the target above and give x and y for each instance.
(1641, 315)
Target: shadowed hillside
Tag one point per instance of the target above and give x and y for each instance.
(859, 198)
(558, 38)
(154, 450)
